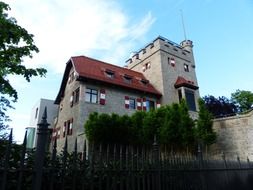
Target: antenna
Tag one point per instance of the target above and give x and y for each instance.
(182, 17)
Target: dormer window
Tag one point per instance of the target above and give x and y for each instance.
(109, 73)
(127, 78)
(144, 81)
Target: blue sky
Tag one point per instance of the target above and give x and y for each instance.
(109, 30)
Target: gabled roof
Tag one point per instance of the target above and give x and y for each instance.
(92, 69)
(181, 81)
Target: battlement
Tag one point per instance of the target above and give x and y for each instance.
(160, 43)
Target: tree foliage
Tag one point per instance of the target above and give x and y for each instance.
(204, 131)
(177, 128)
(15, 44)
(170, 124)
(243, 98)
(220, 106)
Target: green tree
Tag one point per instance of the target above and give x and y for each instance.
(178, 127)
(15, 44)
(220, 106)
(243, 98)
(204, 131)
(137, 120)
(169, 132)
(186, 125)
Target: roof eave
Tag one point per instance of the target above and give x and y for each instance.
(186, 85)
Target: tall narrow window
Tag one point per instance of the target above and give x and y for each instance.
(186, 67)
(180, 95)
(76, 95)
(91, 95)
(190, 99)
(131, 103)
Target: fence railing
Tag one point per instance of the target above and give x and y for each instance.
(116, 167)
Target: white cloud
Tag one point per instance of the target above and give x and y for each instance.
(65, 28)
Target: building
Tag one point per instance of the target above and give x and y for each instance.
(36, 116)
(161, 73)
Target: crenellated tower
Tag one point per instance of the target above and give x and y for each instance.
(170, 68)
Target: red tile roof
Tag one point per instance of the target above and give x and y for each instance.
(181, 81)
(88, 68)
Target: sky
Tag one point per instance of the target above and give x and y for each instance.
(109, 30)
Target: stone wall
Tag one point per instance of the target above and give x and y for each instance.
(234, 136)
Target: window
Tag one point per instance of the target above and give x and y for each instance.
(69, 127)
(76, 95)
(131, 103)
(109, 74)
(172, 62)
(150, 105)
(190, 99)
(144, 81)
(180, 95)
(146, 66)
(127, 79)
(91, 95)
(186, 67)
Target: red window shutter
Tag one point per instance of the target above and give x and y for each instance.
(126, 102)
(102, 96)
(144, 104)
(138, 103)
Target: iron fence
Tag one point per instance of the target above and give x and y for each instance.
(116, 167)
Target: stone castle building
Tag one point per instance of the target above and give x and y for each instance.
(160, 73)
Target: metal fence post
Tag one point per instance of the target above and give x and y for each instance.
(200, 155)
(156, 162)
(42, 137)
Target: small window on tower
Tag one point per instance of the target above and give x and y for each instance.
(172, 61)
(186, 67)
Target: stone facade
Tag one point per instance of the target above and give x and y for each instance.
(79, 112)
(234, 136)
